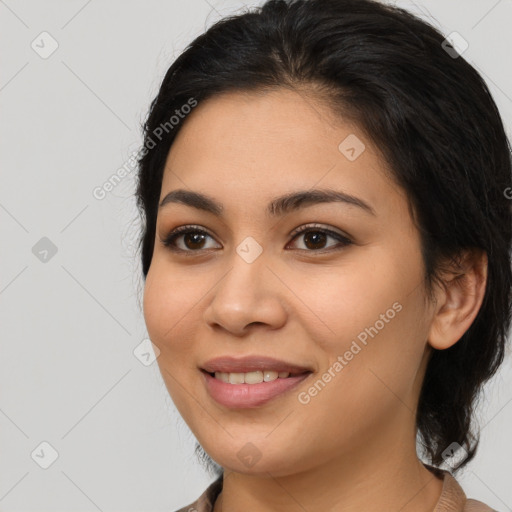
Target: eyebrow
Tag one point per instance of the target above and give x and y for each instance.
(278, 206)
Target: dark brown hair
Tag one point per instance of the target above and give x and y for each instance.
(430, 114)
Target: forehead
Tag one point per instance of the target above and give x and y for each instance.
(255, 145)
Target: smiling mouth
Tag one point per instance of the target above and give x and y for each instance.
(251, 389)
(253, 377)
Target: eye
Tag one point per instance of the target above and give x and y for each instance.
(315, 238)
(193, 239)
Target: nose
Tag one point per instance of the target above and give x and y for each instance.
(248, 294)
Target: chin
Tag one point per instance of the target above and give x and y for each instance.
(253, 458)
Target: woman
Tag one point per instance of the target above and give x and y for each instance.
(326, 253)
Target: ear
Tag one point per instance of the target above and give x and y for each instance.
(459, 301)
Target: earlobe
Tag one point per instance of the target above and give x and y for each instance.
(459, 301)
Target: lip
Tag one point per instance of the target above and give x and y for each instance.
(244, 396)
(229, 364)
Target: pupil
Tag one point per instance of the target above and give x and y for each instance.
(317, 239)
(195, 238)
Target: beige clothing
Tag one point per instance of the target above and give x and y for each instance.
(452, 499)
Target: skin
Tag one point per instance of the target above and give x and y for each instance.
(352, 447)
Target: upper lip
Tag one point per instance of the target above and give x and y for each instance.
(228, 364)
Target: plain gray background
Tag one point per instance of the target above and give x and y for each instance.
(71, 319)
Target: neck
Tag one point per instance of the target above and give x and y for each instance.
(396, 480)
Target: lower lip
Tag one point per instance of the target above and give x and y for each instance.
(249, 395)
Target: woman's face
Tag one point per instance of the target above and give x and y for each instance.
(352, 314)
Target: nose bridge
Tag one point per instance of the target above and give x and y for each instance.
(246, 293)
(246, 279)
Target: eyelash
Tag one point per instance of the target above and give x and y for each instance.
(169, 240)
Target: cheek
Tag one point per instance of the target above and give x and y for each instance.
(169, 299)
(156, 294)
(345, 302)
(168, 310)
(365, 384)
(163, 308)
(373, 319)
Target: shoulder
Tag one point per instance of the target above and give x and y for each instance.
(469, 505)
(476, 506)
(453, 497)
(206, 501)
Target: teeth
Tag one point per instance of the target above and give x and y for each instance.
(251, 377)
